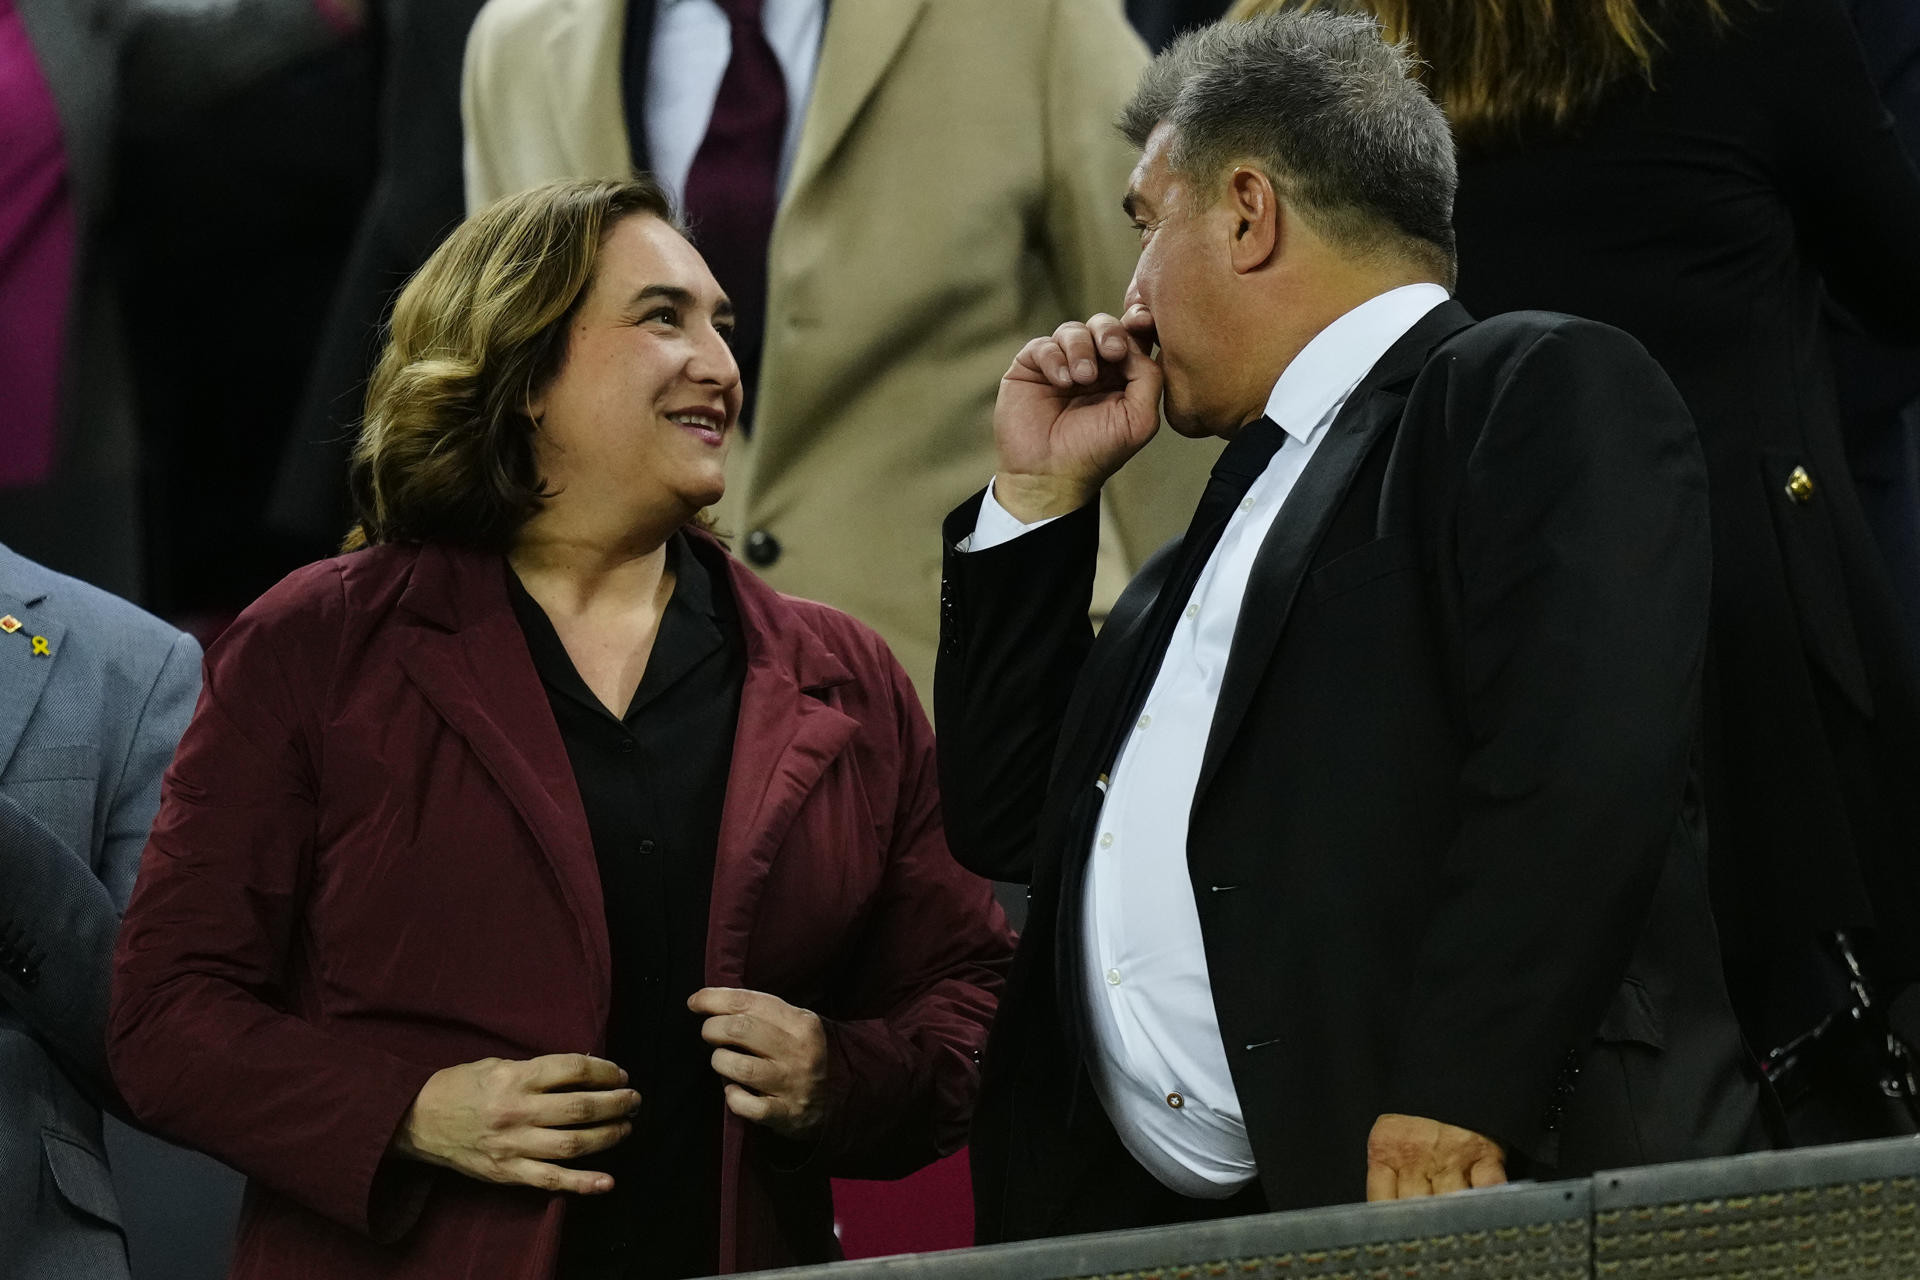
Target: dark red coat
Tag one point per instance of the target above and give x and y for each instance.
(371, 862)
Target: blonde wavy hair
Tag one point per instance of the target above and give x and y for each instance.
(1498, 64)
(446, 453)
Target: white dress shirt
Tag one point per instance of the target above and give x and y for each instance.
(1156, 1057)
(692, 44)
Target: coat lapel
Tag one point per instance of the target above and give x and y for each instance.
(785, 740)
(862, 39)
(1090, 720)
(23, 674)
(471, 662)
(1281, 566)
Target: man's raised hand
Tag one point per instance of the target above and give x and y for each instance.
(1073, 408)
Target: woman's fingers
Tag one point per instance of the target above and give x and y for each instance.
(572, 1071)
(568, 1144)
(756, 1073)
(750, 1106)
(559, 1110)
(552, 1177)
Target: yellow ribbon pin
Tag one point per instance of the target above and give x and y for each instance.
(40, 649)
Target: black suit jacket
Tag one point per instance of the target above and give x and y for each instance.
(1446, 844)
(1711, 216)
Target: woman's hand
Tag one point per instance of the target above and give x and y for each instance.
(501, 1121)
(773, 1055)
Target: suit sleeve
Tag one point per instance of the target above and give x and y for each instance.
(925, 979)
(1580, 602)
(1013, 637)
(60, 914)
(203, 1038)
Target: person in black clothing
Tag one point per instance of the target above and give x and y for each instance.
(416, 200)
(1702, 173)
(1880, 381)
(1364, 838)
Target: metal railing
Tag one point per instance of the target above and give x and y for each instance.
(1848, 1211)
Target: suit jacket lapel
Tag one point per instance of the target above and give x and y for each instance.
(1088, 726)
(861, 40)
(1281, 566)
(23, 674)
(471, 663)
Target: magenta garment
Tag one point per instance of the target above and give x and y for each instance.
(36, 259)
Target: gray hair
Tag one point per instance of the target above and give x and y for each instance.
(1325, 107)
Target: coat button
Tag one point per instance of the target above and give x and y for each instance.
(1800, 485)
(762, 548)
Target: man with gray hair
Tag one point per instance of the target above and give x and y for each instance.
(1365, 841)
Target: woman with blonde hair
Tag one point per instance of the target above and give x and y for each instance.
(1707, 174)
(536, 893)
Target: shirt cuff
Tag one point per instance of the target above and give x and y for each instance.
(995, 525)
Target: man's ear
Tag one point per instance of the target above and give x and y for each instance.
(1254, 208)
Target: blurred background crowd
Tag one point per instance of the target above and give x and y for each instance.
(206, 206)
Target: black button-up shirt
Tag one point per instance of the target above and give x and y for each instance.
(653, 782)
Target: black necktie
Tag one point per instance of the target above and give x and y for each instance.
(1239, 465)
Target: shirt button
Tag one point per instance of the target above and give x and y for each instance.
(1106, 841)
(1113, 977)
(1145, 721)
(1175, 1101)
(646, 846)
(1246, 504)
(1193, 611)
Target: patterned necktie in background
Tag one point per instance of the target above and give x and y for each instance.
(733, 189)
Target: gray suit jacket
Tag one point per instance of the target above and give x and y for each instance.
(86, 730)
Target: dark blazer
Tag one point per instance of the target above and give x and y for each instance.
(416, 201)
(1711, 216)
(1446, 844)
(85, 732)
(371, 862)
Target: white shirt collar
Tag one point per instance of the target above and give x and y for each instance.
(1329, 367)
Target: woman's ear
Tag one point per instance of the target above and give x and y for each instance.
(1255, 206)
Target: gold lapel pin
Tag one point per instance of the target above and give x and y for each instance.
(10, 624)
(40, 649)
